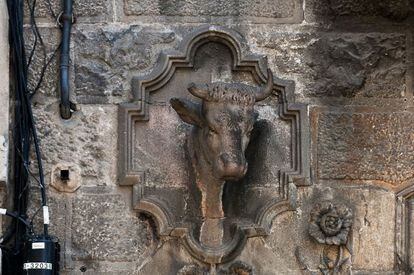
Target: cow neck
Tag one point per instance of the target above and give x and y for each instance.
(211, 231)
(201, 165)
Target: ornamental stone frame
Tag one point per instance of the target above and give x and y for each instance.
(404, 228)
(152, 144)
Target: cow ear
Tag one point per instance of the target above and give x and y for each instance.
(188, 111)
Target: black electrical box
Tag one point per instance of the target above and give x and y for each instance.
(41, 256)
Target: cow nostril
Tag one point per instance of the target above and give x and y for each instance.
(225, 161)
(224, 158)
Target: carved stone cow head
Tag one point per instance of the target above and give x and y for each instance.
(223, 121)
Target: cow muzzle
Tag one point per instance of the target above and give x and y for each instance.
(229, 168)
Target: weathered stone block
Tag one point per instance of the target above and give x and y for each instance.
(106, 57)
(103, 228)
(396, 9)
(91, 146)
(267, 9)
(340, 64)
(47, 55)
(85, 11)
(101, 267)
(317, 11)
(320, 10)
(371, 238)
(59, 210)
(373, 228)
(366, 146)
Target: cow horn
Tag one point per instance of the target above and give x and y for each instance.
(267, 90)
(196, 91)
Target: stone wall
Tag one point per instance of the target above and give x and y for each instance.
(4, 93)
(4, 100)
(352, 63)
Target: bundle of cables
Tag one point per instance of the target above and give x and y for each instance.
(20, 237)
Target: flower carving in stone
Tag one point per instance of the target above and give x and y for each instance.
(330, 223)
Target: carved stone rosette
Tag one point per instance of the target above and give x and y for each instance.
(330, 225)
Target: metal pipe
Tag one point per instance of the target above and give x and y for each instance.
(66, 20)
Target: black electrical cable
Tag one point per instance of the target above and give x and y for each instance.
(24, 135)
(35, 31)
(25, 104)
(43, 71)
(38, 38)
(20, 219)
(50, 8)
(21, 131)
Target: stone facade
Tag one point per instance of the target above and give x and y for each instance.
(351, 64)
(4, 93)
(4, 101)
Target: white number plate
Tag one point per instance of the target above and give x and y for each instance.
(39, 265)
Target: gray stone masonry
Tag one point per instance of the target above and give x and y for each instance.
(352, 63)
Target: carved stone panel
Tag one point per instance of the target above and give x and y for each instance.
(155, 146)
(260, 11)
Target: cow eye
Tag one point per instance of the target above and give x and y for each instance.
(212, 131)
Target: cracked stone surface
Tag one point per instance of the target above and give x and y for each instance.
(85, 11)
(395, 10)
(340, 64)
(272, 8)
(92, 144)
(369, 146)
(103, 228)
(106, 59)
